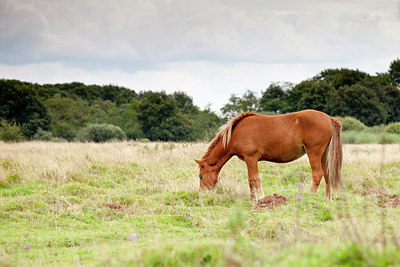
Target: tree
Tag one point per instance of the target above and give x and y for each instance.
(162, 120)
(273, 99)
(20, 104)
(185, 103)
(206, 124)
(89, 93)
(248, 102)
(359, 102)
(377, 83)
(392, 103)
(341, 77)
(394, 72)
(67, 116)
(310, 94)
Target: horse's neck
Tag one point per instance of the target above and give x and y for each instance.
(219, 155)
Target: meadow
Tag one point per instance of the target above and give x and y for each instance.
(137, 204)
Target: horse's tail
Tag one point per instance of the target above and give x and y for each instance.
(335, 157)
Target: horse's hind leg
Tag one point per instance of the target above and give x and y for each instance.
(326, 176)
(317, 171)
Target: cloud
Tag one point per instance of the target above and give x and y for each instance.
(19, 28)
(209, 48)
(398, 10)
(166, 31)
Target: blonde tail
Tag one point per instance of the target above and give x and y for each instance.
(335, 157)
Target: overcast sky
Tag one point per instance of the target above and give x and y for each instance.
(209, 48)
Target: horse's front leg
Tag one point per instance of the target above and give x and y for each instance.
(254, 179)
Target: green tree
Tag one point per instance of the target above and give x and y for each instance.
(376, 83)
(248, 102)
(118, 95)
(310, 94)
(20, 104)
(185, 103)
(394, 72)
(341, 77)
(89, 93)
(162, 120)
(99, 111)
(273, 99)
(359, 102)
(67, 116)
(128, 119)
(206, 124)
(391, 103)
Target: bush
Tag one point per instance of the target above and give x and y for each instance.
(43, 135)
(100, 133)
(10, 132)
(393, 128)
(352, 124)
(377, 129)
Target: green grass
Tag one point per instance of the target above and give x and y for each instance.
(55, 209)
(370, 137)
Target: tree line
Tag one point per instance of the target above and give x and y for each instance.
(372, 99)
(63, 110)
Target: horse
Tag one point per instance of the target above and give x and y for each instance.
(284, 138)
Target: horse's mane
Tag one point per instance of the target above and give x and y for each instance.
(225, 132)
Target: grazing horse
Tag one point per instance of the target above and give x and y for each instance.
(281, 138)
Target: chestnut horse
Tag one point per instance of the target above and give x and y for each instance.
(282, 138)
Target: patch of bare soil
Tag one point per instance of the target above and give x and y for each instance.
(271, 202)
(376, 191)
(388, 201)
(115, 206)
(384, 200)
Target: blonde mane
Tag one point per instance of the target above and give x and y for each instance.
(225, 132)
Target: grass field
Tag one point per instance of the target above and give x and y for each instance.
(137, 204)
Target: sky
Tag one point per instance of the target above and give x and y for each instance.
(209, 49)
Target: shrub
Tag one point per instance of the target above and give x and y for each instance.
(10, 132)
(100, 133)
(377, 129)
(43, 135)
(393, 128)
(352, 124)
(389, 138)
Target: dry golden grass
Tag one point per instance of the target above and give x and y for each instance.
(60, 162)
(154, 186)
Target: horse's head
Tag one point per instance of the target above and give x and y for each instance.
(208, 175)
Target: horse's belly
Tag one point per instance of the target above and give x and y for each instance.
(286, 154)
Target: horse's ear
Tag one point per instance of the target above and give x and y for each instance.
(200, 162)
